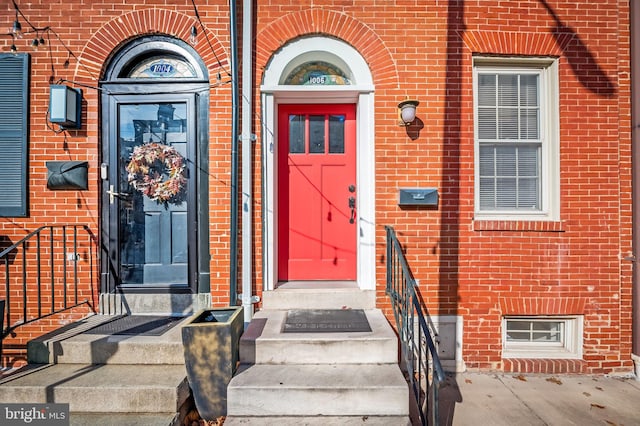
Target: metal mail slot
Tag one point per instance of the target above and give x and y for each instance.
(418, 197)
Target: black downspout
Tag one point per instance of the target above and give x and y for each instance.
(233, 264)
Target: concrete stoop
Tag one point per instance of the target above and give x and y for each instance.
(105, 379)
(328, 378)
(319, 421)
(71, 345)
(318, 390)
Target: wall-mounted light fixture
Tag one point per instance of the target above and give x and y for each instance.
(65, 106)
(407, 111)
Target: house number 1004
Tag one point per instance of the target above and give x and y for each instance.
(161, 68)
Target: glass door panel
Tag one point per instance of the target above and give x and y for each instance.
(152, 214)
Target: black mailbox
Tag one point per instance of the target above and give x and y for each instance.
(418, 197)
(67, 174)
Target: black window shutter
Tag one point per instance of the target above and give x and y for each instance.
(14, 131)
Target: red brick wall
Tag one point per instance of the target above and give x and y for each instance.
(86, 34)
(477, 269)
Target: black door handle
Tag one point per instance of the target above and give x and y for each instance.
(352, 206)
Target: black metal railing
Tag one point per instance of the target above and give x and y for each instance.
(419, 351)
(41, 275)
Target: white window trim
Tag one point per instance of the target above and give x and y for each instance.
(550, 136)
(570, 348)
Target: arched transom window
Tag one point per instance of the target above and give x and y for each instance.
(317, 73)
(162, 67)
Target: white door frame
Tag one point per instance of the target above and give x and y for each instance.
(361, 93)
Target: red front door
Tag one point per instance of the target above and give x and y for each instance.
(317, 192)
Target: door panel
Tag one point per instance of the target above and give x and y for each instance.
(316, 222)
(151, 248)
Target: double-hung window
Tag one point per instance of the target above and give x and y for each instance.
(516, 139)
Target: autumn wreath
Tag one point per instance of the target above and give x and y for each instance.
(157, 171)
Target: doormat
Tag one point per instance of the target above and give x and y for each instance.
(326, 321)
(146, 325)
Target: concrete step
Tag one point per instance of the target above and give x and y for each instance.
(264, 343)
(100, 388)
(318, 295)
(320, 421)
(72, 345)
(318, 390)
(123, 419)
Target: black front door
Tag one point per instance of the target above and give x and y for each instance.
(150, 191)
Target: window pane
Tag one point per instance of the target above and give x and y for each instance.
(542, 337)
(487, 177)
(487, 89)
(506, 193)
(508, 90)
(518, 335)
(519, 325)
(546, 325)
(528, 160)
(528, 194)
(336, 134)
(316, 134)
(529, 173)
(506, 160)
(506, 171)
(487, 193)
(529, 124)
(507, 123)
(487, 160)
(296, 134)
(529, 90)
(487, 123)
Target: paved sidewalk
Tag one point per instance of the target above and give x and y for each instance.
(496, 399)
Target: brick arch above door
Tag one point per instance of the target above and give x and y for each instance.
(112, 34)
(320, 22)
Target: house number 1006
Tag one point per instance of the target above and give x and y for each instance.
(320, 79)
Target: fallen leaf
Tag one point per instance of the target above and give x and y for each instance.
(586, 393)
(593, 404)
(520, 377)
(599, 388)
(611, 423)
(468, 381)
(554, 380)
